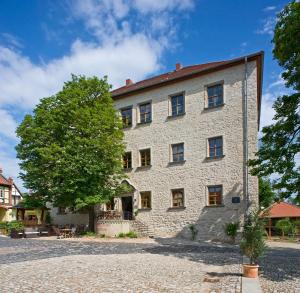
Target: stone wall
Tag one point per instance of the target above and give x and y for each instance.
(193, 129)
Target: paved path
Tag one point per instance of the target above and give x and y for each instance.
(36, 265)
(280, 268)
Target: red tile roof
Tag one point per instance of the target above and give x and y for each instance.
(281, 210)
(4, 181)
(183, 73)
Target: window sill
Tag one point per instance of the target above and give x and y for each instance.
(144, 123)
(141, 168)
(177, 163)
(176, 208)
(214, 107)
(127, 169)
(170, 117)
(214, 158)
(216, 206)
(144, 209)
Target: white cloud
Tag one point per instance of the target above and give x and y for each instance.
(8, 125)
(267, 26)
(269, 8)
(124, 43)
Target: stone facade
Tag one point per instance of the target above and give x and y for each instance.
(197, 172)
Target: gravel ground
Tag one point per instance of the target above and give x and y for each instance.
(163, 265)
(280, 268)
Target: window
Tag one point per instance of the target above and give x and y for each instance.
(127, 161)
(215, 95)
(145, 157)
(177, 198)
(215, 195)
(145, 113)
(215, 146)
(178, 152)
(1, 195)
(146, 199)
(177, 105)
(126, 117)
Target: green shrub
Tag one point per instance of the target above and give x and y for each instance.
(89, 234)
(231, 230)
(3, 225)
(131, 234)
(194, 231)
(285, 226)
(253, 242)
(15, 225)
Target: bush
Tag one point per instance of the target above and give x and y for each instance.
(285, 226)
(253, 243)
(231, 230)
(3, 225)
(130, 234)
(89, 234)
(15, 225)
(194, 231)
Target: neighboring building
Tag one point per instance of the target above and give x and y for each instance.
(9, 195)
(189, 134)
(278, 211)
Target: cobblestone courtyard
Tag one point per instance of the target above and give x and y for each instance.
(280, 268)
(37, 265)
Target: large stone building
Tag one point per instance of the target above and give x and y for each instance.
(189, 134)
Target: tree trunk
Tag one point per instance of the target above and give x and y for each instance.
(92, 218)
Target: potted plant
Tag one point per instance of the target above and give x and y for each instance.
(231, 230)
(252, 243)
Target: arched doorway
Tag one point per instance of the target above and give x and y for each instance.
(127, 200)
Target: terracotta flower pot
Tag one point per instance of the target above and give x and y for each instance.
(250, 271)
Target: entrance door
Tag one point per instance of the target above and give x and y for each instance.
(127, 207)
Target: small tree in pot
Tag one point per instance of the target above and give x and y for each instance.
(253, 244)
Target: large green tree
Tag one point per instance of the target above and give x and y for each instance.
(71, 146)
(280, 143)
(266, 193)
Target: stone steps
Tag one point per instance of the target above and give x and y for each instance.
(141, 228)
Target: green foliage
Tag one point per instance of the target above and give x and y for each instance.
(3, 225)
(266, 193)
(285, 226)
(15, 225)
(253, 244)
(32, 201)
(89, 234)
(280, 142)
(194, 231)
(70, 148)
(231, 230)
(287, 43)
(130, 234)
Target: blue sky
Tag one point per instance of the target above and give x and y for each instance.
(43, 42)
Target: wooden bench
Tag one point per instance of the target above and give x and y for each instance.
(31, 232)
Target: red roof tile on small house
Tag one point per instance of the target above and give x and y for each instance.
(281, 210)
(4, 181)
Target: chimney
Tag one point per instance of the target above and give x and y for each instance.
(178, 66)
(129, 82)
(1, 171)
(10, 180)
